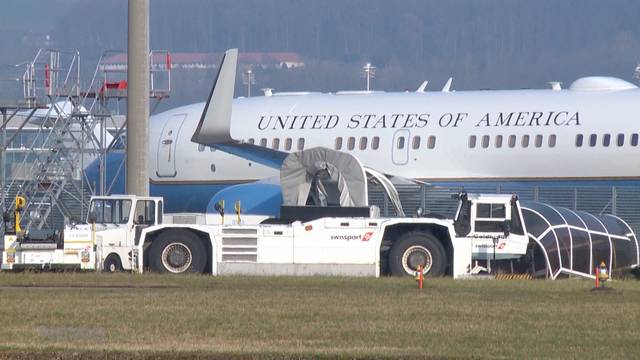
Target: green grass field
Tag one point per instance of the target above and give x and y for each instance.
(158, 316)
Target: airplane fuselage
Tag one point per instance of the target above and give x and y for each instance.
(580, 134)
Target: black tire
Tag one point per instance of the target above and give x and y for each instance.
(417, 248)
(112, 264)
(177, 252)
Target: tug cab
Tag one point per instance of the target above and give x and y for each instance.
(494, 225)
(104, 242)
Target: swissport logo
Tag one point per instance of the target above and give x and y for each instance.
(365, 237)
(345, 237)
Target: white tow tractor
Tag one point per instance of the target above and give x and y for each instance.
(105, 242)
(125, 232)
(326, 226)
(307, 242)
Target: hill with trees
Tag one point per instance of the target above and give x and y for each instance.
(482, 44)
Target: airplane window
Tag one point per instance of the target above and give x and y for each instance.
(363, 143)
(538, 141)
(512, 141)
(301, 144)
(485, 141)
(275, 144)
(432, 142)
(287, 144)
(593, 139)
(201, 148)
(416, 142)
(375, 143)
(579, 139)
(552, 141)
(620, 139)
(525, 141)
(250, 141)
(472, 141)
(263, 142)
(212, 149)
(338, 143)
(606, 140)
(634, 140)
(498, 141)
(400, 144)
(351, 143)
(213, 167)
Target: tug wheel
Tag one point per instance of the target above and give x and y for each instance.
(415, 249)
(112, 264)
(177, 252)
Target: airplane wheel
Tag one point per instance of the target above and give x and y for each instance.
(416, 248)
(177, 252)
(112, 264)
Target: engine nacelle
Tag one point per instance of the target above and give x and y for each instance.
(255, 199)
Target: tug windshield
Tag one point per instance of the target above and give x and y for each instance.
(111, 211)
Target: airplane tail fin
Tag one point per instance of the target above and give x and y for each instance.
(215, 122)
(423, 86)
(214, 128)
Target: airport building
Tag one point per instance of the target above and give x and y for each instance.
(200, 61)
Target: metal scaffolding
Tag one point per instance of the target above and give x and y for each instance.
(58, 127)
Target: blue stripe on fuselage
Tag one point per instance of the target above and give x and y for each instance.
(177, 197)
(194, 197)
(186, 197)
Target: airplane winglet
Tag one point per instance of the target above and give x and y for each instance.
(447, 86)
(422, 87)
(214, 128)
(215, 123)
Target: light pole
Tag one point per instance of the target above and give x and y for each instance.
(137, 158)
(248, 78)
(368, 71)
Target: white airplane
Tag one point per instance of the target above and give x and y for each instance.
(582, 133)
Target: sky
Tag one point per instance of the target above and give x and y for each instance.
(491, 44)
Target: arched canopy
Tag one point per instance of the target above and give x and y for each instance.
(320, 176)
(575, 242)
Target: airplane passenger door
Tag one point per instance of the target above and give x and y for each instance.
(167, 146)
(400, 147)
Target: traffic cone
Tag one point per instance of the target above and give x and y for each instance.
(420, 277)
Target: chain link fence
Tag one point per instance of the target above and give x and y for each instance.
(622, 201)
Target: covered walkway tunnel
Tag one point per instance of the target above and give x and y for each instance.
(575, 242)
